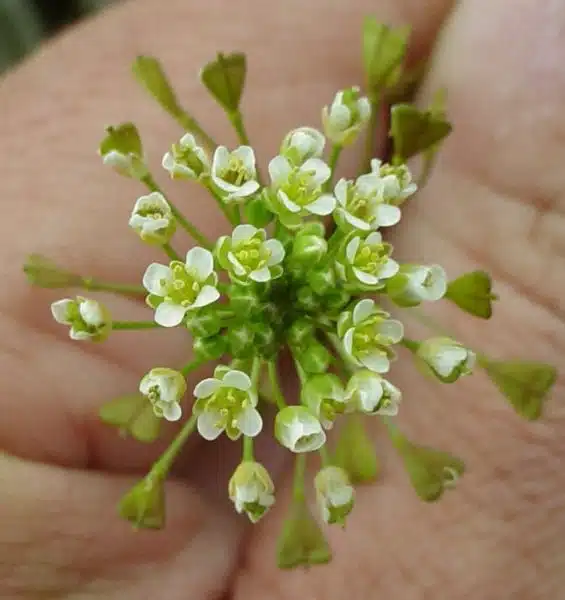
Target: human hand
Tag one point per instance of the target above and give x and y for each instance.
(494, 201)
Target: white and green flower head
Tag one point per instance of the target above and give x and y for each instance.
(249, 256)
(152, 219)
(324, 395)
(414, 284)
(298, 429)
(313, 290)
(367, 335)
(297, 191)
(164, 388)
(365, 261)
(88, 319)
(180, 287)
(448, 360)
(234, 173)
(301, 144)
(227, 402)
(186, 160)
(347, 115)
(334, 494)
(251, 489)
(369, 393)
(361, 205)
(396, 181)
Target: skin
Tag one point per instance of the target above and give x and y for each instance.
(494, 202)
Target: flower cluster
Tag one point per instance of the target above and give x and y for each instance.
(309, 273)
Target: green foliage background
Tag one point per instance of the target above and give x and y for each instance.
(25, 23)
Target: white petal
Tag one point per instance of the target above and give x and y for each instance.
(376, 165)
(117, 160)
(237, 266)
(393, 330)
(91, 313)
(188, 141)
(387, 215)
(368, 185)
(319, 169)
(247, 189)
(201, 262)
(363, 309)
(374, 239)
(279, 170)
(355, 221)
(376, 362)
(172, 411)
(207, 426)
(220, 159)
(448, 359)
(247, 156)
(364, 108)
(237, 379)
(242, 233)
(168, 162)
(156, 278)
(324, 205)
(249, 422)
(370, 395)
(277, 252)
(206, 387)
(207, 295)
(366, 278)
(438, 288)
(351, 249)
(79, 335)
(340, 191)
(261, 275)
(169, 315)
(340, 116)
(288, 203)
(60, 309)
(389, 269)
(348, 341)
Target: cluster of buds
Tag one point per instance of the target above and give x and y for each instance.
(308, 273)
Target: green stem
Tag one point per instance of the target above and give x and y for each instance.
(207, 182)
(134, 325)
(191, 366)
(248, 449)
(165, 461)
(298, 492)
(371, 139)
(412, 345)
(236, 119)
(324, 456)
(348, 364)
(191, 229)
(274, 382)
(190, 124)
(94, 285)
(256, 372)
(171, 253)
(332, 163)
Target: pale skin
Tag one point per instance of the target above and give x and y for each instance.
(495, 202)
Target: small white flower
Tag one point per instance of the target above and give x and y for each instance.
(181, 287)
(369, 393)
(88, 319)
(186, 160)
(347, 115)
(164, 388)
(248, 256)
(153, 219)
(447, 358)
(368, 261)
(334, 494)
(301, 144)
(367, 335)
(297, 429)
(361, 205)
(396, 181)
(298, 191)
(227, 402)
(234, 173)
(414, 284)
(251, 489)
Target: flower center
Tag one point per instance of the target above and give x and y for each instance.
(370, 259)
(184, 287)
(301, 187)
(251, 254)
(235, 172)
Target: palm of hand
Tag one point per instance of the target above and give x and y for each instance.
(486, 205)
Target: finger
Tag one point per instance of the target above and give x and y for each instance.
(500, 533)
(75, 211)
(61, 538)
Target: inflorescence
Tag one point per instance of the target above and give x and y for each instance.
(305, 271)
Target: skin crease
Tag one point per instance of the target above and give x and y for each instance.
(494, 202)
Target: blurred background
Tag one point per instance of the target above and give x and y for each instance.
(25, 23)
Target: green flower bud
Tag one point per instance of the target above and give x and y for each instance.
(315, 358)
(133, 415)
(241, 340)
(224, 78)
(301, 541)
(334, 494)
(301, 144)
(324, 395)
(447, 359)
(300, 332)
(43, 272)
(204, 322)
(265, 340)
(122, 150)
(322, 280)
(187, 160)
(308, 250)
(257, 212)
(144, 505)
(251, 489)
(210, 348)
(307, 299)
(346, 117)
(243, 300)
